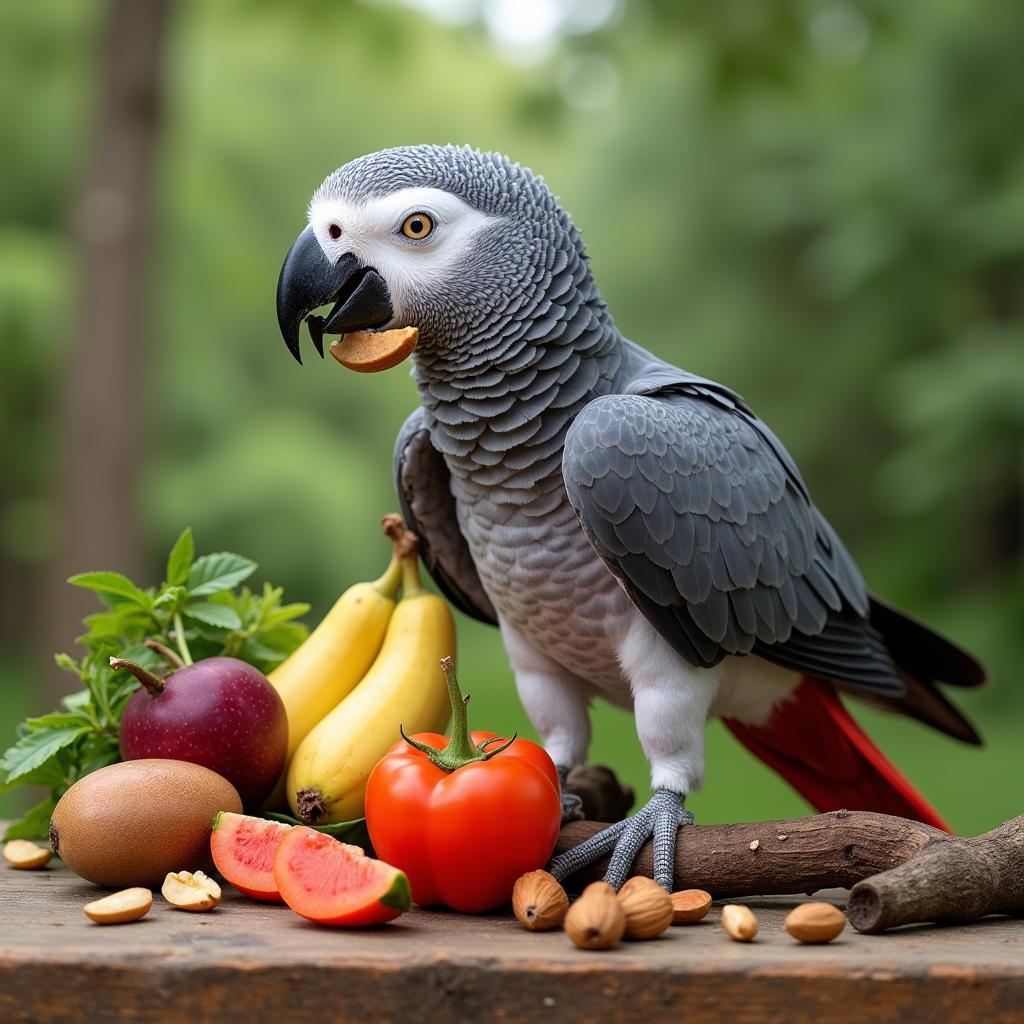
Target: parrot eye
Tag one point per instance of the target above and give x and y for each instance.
(417, 225)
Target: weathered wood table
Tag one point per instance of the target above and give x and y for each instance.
(245, 962)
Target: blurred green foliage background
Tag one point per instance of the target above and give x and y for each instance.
(819, 202)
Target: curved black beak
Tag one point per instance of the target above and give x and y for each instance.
(309, 280)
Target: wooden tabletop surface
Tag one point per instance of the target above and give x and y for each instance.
(247, 962)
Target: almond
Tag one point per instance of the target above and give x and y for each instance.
(20, 853)
(120, 907)
(815, 922)
(690, 906)
(190, 891)
(539, 902)
(596, 920)
(648, 908)
(739, 922)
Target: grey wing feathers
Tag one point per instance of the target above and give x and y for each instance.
(422, 482)
(699, 511)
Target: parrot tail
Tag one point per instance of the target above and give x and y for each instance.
(813, 742)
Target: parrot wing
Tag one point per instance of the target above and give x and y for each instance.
(700, 512)
(424, 494)
(702, 515)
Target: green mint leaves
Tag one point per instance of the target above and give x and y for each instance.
(179, 561)
(201, 610)
(213, 573)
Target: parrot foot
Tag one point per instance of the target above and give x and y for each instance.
(572, 805)
(659, 819)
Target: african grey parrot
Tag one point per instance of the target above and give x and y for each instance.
(634, 530)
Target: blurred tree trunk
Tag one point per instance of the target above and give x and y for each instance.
(102, 421)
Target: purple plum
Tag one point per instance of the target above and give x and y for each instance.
(218, 712)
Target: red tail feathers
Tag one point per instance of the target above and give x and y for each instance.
(815, 745)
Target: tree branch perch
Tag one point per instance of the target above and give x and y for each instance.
(900, 871)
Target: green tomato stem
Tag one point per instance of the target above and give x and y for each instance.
(460, 749)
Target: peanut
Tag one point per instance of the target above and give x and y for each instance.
(120, 907)
(739, 922)
(26, 856)
(188, 891)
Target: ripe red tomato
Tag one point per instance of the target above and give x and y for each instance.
(464, 834)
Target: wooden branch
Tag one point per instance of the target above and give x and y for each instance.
(949, 879)
(901, 871)
(792, 855)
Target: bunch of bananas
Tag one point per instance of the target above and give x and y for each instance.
(370, 667)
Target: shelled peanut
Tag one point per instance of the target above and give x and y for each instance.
(26, 855)
(739, 922)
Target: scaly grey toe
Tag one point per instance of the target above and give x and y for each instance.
(659, 819)
(666, 829)
(594, 848)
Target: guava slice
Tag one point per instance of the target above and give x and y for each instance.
(334, 883)
(243, 851)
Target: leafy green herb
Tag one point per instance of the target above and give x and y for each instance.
(200, 610)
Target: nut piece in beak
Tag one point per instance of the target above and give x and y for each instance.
(370, 351)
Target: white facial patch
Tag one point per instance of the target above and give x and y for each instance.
(372, 232)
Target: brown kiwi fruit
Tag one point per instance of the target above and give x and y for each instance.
(130, 823)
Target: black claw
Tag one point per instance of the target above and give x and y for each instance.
(572, 807)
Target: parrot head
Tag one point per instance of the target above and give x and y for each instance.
(447, 239)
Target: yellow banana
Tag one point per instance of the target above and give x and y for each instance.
(339, 652)
(404, 687)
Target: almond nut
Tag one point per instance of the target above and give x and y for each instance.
(120, 907)
(648, 908)
(20, 853)
(739, 922)
(539, 902)
(190, 891)
(596, 920)
(815, 922)
(690, 906)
